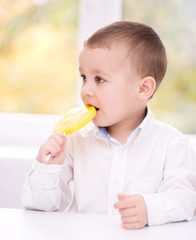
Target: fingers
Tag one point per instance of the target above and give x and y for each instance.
(131, 222)
(128, 212)
(132, 226)
(126, 201)
(133, 211)
(134, 221)
(59, 137)
(55, 146)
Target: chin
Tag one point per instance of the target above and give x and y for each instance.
(98, 123)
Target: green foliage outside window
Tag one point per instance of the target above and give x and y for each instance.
(174, 21)
(38, 55)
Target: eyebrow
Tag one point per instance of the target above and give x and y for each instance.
(97, 71)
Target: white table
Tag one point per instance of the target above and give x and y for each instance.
(17, 224)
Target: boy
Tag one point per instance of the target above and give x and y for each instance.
(127, 162)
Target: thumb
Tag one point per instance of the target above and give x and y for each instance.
(121, 197)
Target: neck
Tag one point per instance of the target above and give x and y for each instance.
(121, 131)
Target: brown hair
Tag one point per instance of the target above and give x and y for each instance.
(144, 48)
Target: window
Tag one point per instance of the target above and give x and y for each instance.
(38, 55)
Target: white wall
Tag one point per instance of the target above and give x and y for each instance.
(20, 138)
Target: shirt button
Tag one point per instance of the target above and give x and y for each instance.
(120, 152)
(115, 181)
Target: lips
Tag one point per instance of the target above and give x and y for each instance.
(97, 109)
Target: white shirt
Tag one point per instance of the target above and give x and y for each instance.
(156, 162)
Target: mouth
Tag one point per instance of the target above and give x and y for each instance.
(96, 108)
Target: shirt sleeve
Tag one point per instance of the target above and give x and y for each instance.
(176, 196)
(47, 186)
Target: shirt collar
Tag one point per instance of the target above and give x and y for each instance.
(105, 134)
(148, 118)
(143, 128)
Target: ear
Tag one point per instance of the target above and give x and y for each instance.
(146, 88)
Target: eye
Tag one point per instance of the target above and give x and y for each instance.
(99, 80)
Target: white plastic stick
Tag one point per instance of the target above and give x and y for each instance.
(48, 157)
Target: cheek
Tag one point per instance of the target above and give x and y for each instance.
(107, 100)
(123, 102)
(82, 94)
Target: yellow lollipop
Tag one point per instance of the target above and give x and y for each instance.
(75, 119)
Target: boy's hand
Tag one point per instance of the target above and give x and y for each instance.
(55, 146)
(133, 211)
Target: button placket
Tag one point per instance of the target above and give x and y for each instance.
(117, 175)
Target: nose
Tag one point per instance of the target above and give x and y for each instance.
(87, 89)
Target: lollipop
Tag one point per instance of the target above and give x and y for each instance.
(75, 119)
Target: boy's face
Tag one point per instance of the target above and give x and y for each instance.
(109, 84)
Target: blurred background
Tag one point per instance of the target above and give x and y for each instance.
(39, 49)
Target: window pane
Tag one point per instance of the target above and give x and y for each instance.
(38, 55)
(175, 100)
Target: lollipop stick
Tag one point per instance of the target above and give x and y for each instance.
(48, 157)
